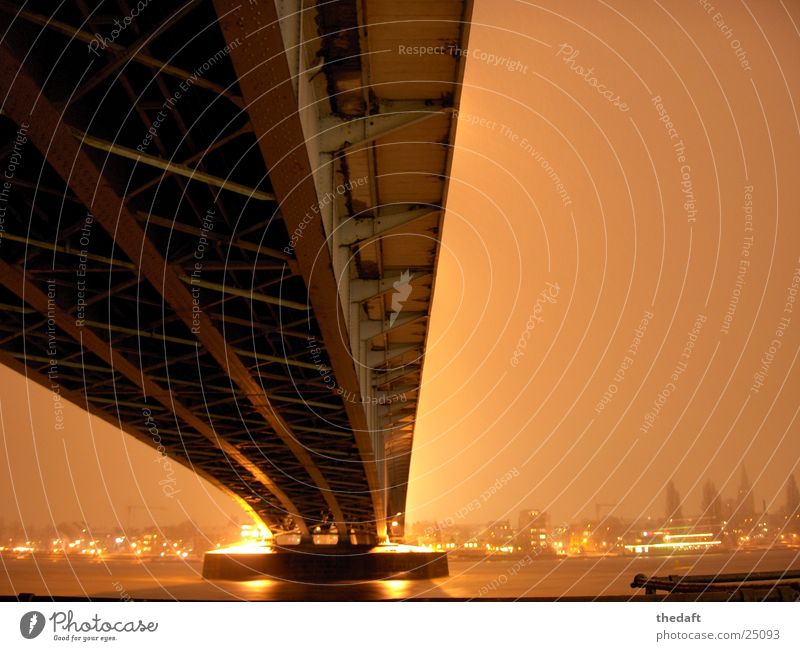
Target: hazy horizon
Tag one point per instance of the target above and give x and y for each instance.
(619, 257)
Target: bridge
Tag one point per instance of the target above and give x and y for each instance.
(219, 231)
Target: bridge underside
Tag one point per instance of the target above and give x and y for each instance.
(170, 259)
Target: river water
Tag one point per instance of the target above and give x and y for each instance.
(182, 580)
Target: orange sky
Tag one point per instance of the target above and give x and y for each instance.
(90, 471)
(568, 181)
(649, 219)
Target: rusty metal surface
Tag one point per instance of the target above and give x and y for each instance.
(14, 279)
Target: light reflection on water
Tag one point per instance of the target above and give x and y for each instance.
(397, 588)
(269, 589)
(258, 584)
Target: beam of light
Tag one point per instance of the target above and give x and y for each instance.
(677, 545)
(673, 536)
(244, 548)
(397, 548)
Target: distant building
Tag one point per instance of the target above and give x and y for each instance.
(532, 530)
(498, 534)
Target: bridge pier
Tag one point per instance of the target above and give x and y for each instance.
(325, 563)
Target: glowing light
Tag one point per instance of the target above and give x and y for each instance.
(393, 548)
(397, 588)
(673, 545)
(258, 583)
(244, 548)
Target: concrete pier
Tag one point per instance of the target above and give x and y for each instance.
(324, 563)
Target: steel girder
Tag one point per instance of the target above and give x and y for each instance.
(79, 400)
(27, 102)
(270, 98)
(15, 280)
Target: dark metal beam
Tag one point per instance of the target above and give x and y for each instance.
(77, 399)
(86, 37)
(27, 102)
(15, 279)
(171, 224)
(191, 173)
(120, 58)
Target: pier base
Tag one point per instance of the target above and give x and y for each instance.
(324, 563)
